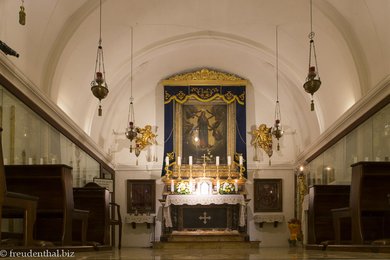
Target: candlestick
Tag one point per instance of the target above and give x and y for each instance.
(190, 160)
(218, 185)
(217, 160)
(167, 160)
(229, 177)
(191, 170)
(167, 167)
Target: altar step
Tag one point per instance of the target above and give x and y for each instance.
(207, 245)
(206, 239)
(206, 236)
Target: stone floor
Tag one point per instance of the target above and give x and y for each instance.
(215, 254)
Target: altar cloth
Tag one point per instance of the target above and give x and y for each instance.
(204, 200)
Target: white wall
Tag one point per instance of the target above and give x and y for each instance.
(268, 234)
(141, 236)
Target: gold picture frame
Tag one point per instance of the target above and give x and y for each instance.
(219, 119)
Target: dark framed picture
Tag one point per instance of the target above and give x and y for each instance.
(141, 196)
(268, 196)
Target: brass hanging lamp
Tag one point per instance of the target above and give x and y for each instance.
(131, 130)
(277, 130)
(22, 14)
(99, 85)
(313, 81)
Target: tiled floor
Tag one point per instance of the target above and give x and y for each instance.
(215, 254)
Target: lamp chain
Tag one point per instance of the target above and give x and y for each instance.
(131, 64)
(277, 66)
(100, 27)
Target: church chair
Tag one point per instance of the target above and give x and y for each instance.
(116, 222)
(95, 199)
(12, 205)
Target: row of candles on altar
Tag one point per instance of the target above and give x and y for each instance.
(204, 191)
(229, 160)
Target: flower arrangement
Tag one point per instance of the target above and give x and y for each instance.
(182, 187)
(294, 225)
(227, 188)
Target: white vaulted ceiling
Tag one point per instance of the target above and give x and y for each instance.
(57, 48)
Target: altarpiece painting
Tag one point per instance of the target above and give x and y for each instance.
(204, 117)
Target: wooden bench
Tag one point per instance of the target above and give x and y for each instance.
(322, 199)
(55, 209)
(369, 207)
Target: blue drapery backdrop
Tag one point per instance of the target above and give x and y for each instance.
(181, 94)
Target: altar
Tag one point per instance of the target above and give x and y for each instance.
(183, 212)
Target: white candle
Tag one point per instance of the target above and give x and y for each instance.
(236, 186)
(229, 160)
(30, 160)
(217, 160)
(167, 161)
(218, 185)
(53, 161)
(241, 159)
(172, 186)
(179, 160)
(190, 160)
(41, 161)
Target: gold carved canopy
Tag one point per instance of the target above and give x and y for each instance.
(205, 77)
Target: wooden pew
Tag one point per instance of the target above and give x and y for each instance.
(323, 198)
(369, 208)
(95, 199)
(55, 209)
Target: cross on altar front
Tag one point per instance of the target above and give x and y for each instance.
(204, 217)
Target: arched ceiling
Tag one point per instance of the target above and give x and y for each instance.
(58, 44)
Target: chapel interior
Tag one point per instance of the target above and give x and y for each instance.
(133, 127)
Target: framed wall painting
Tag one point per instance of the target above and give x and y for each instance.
(141, 196)
(268, 195)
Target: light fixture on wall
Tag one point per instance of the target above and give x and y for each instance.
(131, 130)
(313, 81)
(99, 85)
(277, 130)
(262, 138)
